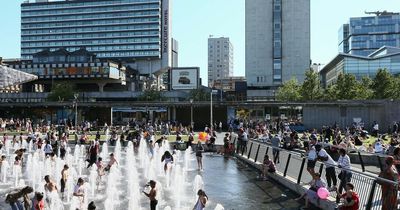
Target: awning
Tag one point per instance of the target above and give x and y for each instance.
(10, 77)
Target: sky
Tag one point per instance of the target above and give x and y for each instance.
(194, 20)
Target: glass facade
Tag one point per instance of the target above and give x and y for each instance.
(109, 28)
(367, 34)
(277, 36)
(360, 66)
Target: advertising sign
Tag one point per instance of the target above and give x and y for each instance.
(184, 78)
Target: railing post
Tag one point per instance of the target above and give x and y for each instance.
(371, 196)
(301, 170)
(361, 161)
(243, 147)
(248, 154)
(258, 149)
(287, 164)
(380, 162)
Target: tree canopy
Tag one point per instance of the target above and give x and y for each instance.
(347, 87)
(61, 92)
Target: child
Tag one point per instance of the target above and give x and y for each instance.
(267, 167)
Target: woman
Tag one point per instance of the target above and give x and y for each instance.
(201, 201)
(199, 155)
(311, 193)
(389, 190)
(351, 200)
(168, 158)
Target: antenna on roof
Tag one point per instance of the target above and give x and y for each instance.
(379, 13)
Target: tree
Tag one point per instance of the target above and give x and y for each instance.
(311, 87)
(346, 85)
(289, 91)
(61, 92)
(331, 93)
(151, 95)
(394, 90)
(199, 95)
(382, 84)
(363, 89)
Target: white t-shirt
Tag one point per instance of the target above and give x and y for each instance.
(330, 162)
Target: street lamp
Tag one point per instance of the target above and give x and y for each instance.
(76, 95)
(191, 113)
(211, 107)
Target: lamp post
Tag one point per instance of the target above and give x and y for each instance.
(211, 107)
(191, 113)
(76, 95)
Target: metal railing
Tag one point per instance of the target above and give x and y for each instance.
(292, 164)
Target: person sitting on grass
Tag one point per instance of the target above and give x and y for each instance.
(268, 166)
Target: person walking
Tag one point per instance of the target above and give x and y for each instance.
(199, 155)
(275, 141)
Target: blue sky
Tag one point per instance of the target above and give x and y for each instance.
(195, 20)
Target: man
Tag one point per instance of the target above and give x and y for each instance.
(64, 178)
(330, 164)
(275, 141)
(152, 195)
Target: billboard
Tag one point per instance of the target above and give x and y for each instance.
(184, 78)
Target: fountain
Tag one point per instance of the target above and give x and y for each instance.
(121, 186)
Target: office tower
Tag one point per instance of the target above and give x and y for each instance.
(277, 43)
(364, 35)
(220, 59)
(136, 32)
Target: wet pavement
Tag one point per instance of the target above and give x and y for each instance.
(235, 185)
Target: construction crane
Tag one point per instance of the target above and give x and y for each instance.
(379, 13)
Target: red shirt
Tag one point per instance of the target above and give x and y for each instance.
(38, 205)
(356, 200)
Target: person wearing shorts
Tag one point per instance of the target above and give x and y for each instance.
(311, 160)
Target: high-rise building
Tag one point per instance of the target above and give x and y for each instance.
(136, 32)
(277, 43)
(364, 35)
(220, 59)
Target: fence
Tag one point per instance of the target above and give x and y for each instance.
(291, 164)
